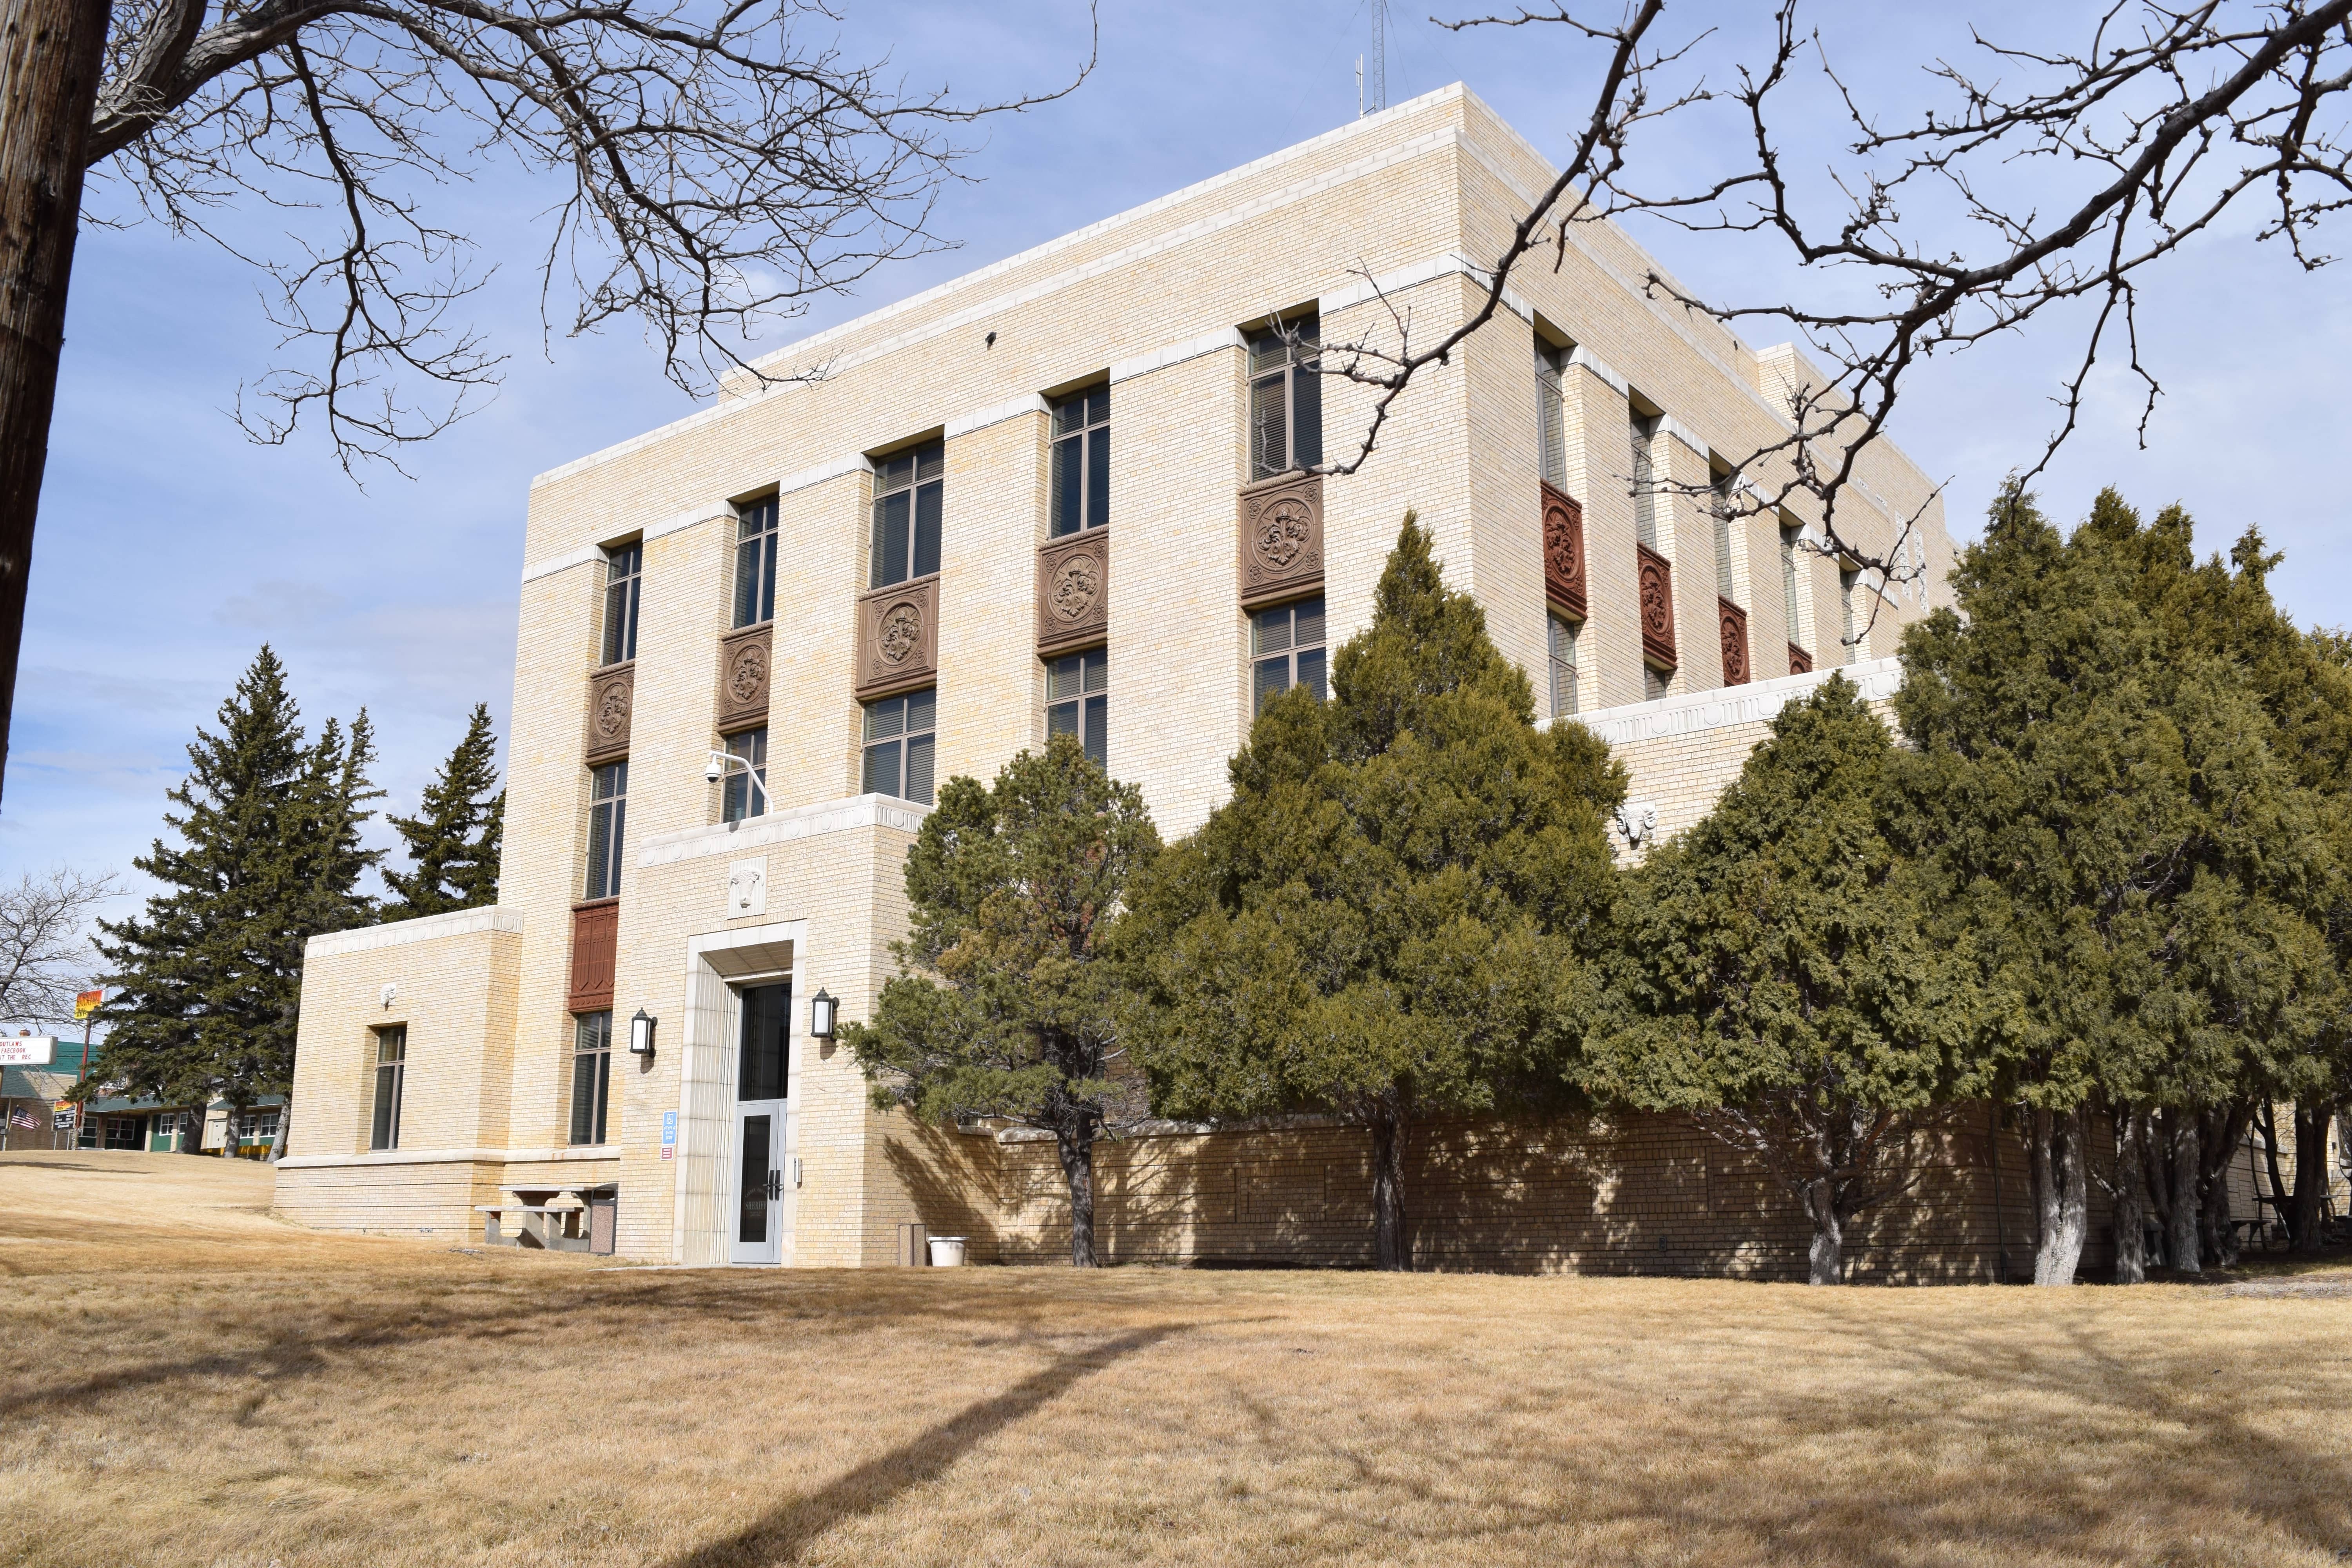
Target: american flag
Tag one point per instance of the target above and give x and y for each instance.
(20, 1116)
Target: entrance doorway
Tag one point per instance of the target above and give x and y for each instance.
(762, 1122)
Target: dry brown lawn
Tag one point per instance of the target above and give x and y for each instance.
(188, 1382)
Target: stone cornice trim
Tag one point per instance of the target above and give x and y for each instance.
(856, 812)
(997, 413)
(1582, 358)
(549, 565)
(1167, 354)
(1450, 264)
(824, 473)
(1669, 425)
(693, 516)
(1700, 711)
(425, 928)
(611, 1152)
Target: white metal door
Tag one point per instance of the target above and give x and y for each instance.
(758, 1218)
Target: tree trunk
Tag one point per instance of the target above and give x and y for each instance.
(50, 54)
(2060, 1195)
(278, 1141)
(2187, 1205)
(2221, 1133)
(1826, 1263)
(2310, 1173)
(2266, 1123)
(2131, 1198)
(1390, 1248)
(1075, 1142)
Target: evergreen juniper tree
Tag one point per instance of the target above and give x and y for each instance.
(2115, 841)
(1772, 977)
(1387, 920)
(210, 975)
(1003, 1007)
(453, 841)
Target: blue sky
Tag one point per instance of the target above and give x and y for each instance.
(170, 548)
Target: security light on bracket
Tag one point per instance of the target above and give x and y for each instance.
(718, 764)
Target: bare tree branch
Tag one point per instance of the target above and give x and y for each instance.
(46, 954)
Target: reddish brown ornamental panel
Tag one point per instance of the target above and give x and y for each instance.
(1799, 661)
(1657, 581)
(1563, 548)
(1735, 643)
(596, 934)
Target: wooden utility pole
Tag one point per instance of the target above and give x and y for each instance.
(51, 52)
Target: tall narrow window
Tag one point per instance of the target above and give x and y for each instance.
(1551, 414)
(1078, 702)
(1082, 461)
(746, 792)
(1286, 399)
(1645, 473)
(1563, 665)
(755, 564)
(1846, 615)
(1286, 650)
(1791, 603)
(901, 741)
(908, 496)
(592, 1075)
(391, 1085)
(622, 574)
(1724, 503)
(608, 812)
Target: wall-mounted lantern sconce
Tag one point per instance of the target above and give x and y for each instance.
(641, 1035)
(823, 1012)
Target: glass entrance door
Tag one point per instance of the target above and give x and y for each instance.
(762, 1123)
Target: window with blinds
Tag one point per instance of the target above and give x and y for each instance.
(1285, 398)
(909, 492)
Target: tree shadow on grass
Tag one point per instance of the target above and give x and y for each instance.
(783, 1534)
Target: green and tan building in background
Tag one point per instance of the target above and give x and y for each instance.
(1066, 492)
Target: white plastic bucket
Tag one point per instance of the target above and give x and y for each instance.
(947, 1251)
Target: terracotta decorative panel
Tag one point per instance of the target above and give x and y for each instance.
(595, 937)
(899, 637)
(612, 698)
(1564, 551)
(1073, 591)
(1734, 623)
(1282, 538)
(1799, 661)
(1657, 583)
(744, 661)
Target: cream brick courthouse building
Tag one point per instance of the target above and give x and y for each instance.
(1063, 492)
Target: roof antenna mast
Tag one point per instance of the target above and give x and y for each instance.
(1378, 85)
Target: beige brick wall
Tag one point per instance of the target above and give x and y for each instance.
(1152, 299)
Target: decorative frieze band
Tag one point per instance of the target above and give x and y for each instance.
(1281, 538)
(899, 637)
(1073, 591)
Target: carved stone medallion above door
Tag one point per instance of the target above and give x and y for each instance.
(744, 661)
(1073, 591)
(1282, 539)
(899, 637)
(612, 698)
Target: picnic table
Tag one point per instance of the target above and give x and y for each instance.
(553, 1216)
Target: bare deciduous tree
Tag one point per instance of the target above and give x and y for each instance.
(713, 165)
(45, 950)
(1925, 239)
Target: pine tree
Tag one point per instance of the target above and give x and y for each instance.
(211, 974)
(453, 842)
(1388, 921)
(1003, 1007)
(1772, 976)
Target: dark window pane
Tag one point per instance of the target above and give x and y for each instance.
(1270, 631)
(1061, 719)
(584, 1097)
(752, 1221)
(886, 717)
(922, 709)
(1098, 669)
(1269, 449)
(1066, 486)
(1099, 478)
(897, 472)
(1097, 739)
(881, 769)
(927, 531)
(1310, 671)
(763, 1057)
(890, 518)
(1309, 620)
(1269, 678)
(1305, 417)
(930, 462)
(1063, 677)
(918, 769)
(1267, 351)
